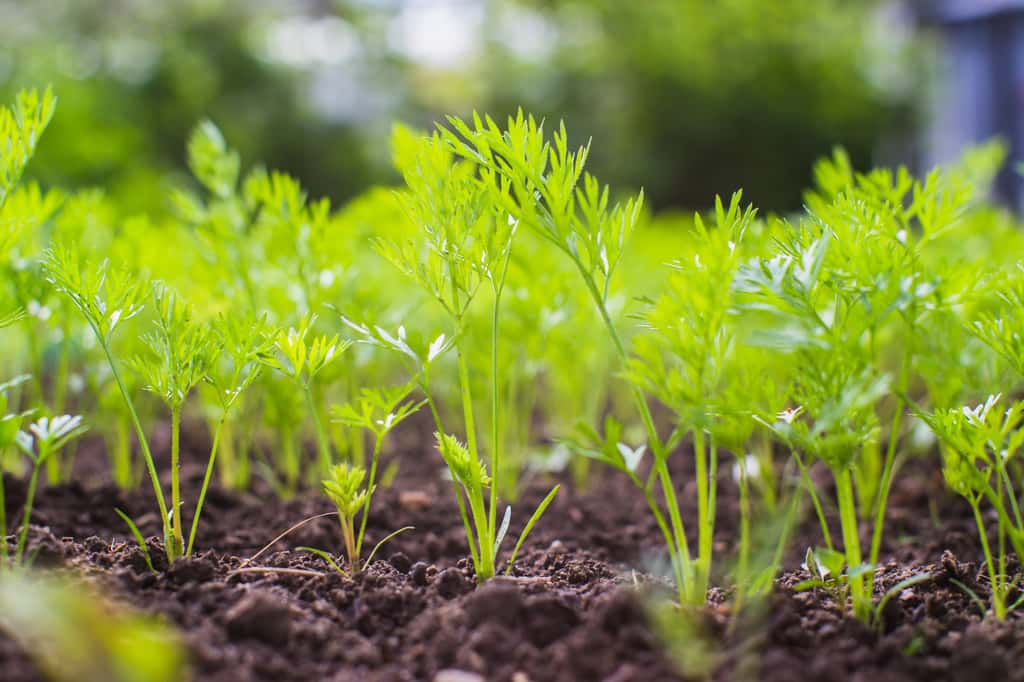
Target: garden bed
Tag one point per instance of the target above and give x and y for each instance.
(572, 610)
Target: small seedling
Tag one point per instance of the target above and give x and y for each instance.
(980, 444)
(181, 353)
(10, 427)
(43, 439)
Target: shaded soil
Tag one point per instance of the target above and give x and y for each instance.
(574, 607)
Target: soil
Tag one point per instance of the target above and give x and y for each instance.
(576, 606)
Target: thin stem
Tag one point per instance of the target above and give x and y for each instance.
(679, 532)
(348, 530)
(474, 489)
(675, 557)
(743, 562)
(369, 487)
(700, 457)
(323, 446)
(495, 427)
(140, 434)
(178, 541)
(27, 515)
(812, 491)
(851, 543)
(620, 350)
(206, 483)
(997, 598)
(890, 462)
(425, 386)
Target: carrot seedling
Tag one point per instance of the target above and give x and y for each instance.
(43, 439)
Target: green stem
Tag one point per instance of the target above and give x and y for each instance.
(348, 530)
(206, 483)
(425, 386)
(851, 543)
(887, 469)
(322, 445)
(812, 491)
(474, 489)
(496, 472)
(690, 586)
(998, 607)
(743, 562)
(678, 569)
(620, 350)
(177, 539)
(140, 434)
(27, 515)
(700, 457)
(369, 487)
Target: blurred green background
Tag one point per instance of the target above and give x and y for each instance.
(687, 98)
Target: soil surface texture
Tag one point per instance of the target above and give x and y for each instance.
(576, 605)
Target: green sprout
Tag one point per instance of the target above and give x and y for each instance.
(378, 411)
(43, 439)
(10, 427)
(106, 298)
(980, 444)
(180, 355)
(466, 241)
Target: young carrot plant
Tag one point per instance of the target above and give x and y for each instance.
(979, 446)
(467, 241)
(44, 438)
(538, 183)
(181, 353)
(10, 427)
(107, 297)
(378, 411)
(840, 285)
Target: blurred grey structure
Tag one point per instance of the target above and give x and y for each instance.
(980, 93)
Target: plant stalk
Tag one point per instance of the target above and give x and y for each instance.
(851, 544)
(140, 434)
(178, 541)
(206, 483)
(33, 481)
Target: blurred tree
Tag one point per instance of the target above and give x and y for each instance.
(689, 98)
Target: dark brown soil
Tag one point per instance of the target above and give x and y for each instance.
(574, 608)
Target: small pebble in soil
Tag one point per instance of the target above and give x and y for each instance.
(415, 500)
(452, 675)
(498, 600)
(452, 583)
(259, 616)
(400, 562)
(418, 572)
(557, 547)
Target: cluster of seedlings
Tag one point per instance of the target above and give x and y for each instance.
(502, 282)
